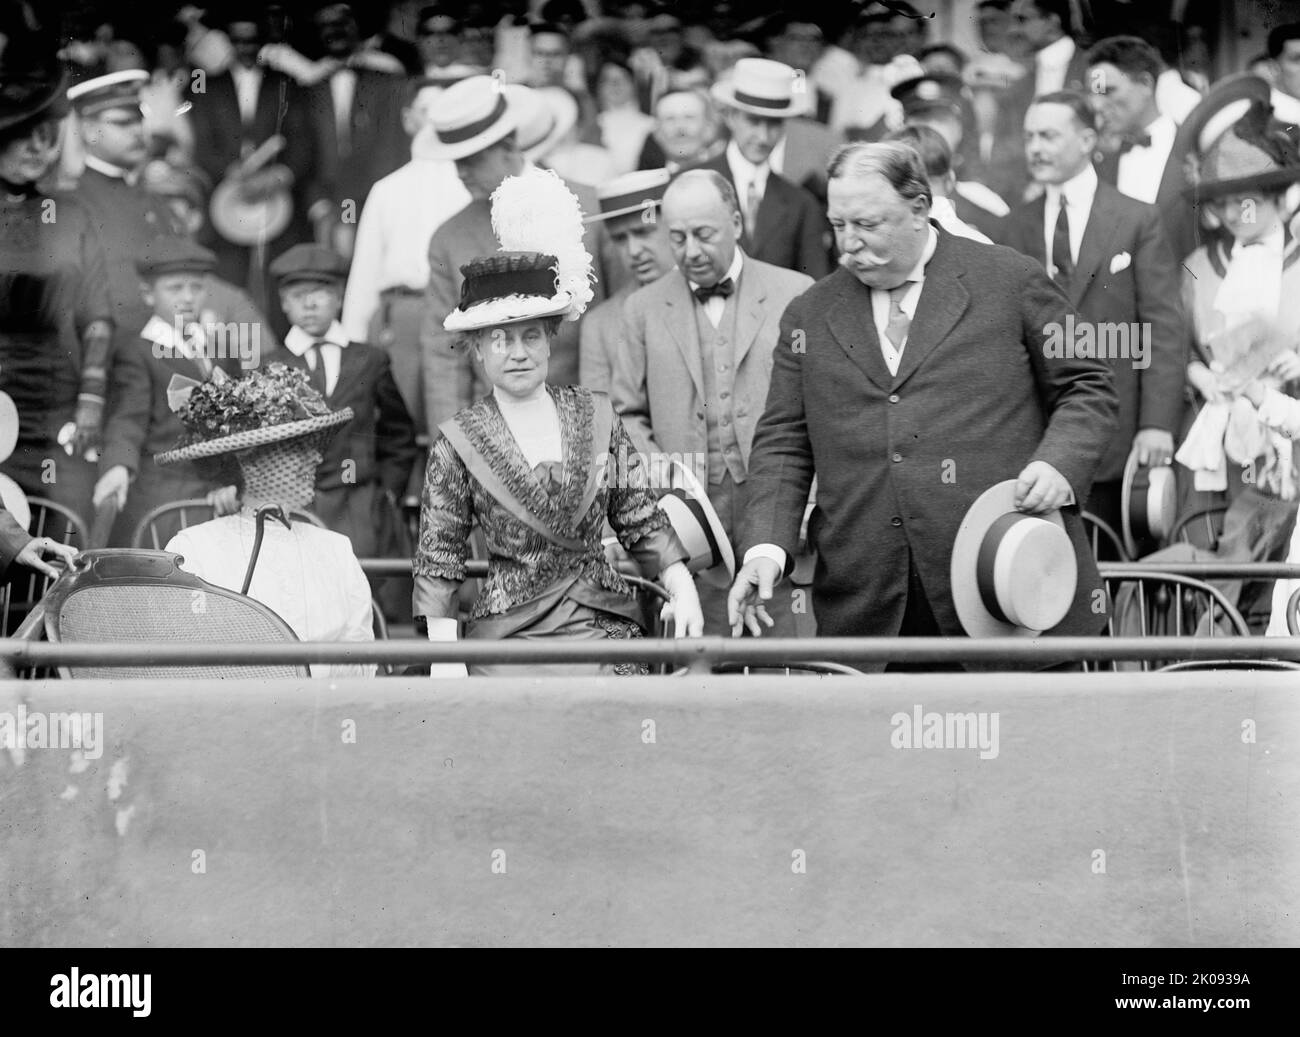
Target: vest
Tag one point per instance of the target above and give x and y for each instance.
(718, 359)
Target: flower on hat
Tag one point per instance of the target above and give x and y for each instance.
(273, 395)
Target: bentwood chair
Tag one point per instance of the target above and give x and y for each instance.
(25, 587)
(164, 522)
(1102, 535)
(117, 596)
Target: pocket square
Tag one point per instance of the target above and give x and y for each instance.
(1120, 262)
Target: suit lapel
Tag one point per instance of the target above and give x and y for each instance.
(351, 360)
(749, 310)
(680, 322)
(1034, 220)
(1097, 234)
(943, 300)
(771, 211)
(852, 325)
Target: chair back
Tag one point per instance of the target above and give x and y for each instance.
(1107, 546)
(1293, 614)
(1200, 528)
(124, 595)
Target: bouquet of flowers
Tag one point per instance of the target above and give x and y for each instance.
(274, 395)
(1242, 351)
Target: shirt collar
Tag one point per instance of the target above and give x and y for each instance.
(1274, 241)
(742, 168)
(931, 243)
(1162, 130)
(1079, 190)
(159, 331)
(298, 341)
(776, 160)
(733, 271)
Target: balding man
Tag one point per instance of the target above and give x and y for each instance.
(910, 381)
(692, 370)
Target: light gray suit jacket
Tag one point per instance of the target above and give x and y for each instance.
(658, 385)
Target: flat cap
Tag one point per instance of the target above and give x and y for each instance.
(308, 263)
(174, 255)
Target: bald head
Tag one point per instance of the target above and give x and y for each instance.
(704, 224)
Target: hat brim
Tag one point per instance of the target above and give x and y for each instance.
(562, 124)
(8, 426)
(1229, 90)
(684, 479)
(973, 614)
(1131, 469)
(1272, 180)
(725, 94)
(14, 501)
(254, 438)
(48, 103)
(509, 310)
(481, 141)
(600, 217)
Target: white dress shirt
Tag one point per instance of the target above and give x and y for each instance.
(714, 307)
(192, 347)
(1052, 65)
(401, 214)
(1079, 192)
(945, 215)
(880, 304)
(299, 343)
(1141, 168)
(248, 83)
(308, 576)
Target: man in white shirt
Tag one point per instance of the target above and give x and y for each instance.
(384, 304)
(1123, 73)
(937, 157)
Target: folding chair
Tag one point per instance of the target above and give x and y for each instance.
(1100, 531)
(1167, 605)
(24, 587)
(116, 596)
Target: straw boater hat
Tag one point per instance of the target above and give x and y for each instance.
(761, 87)
(558, 115)
(1013, 575)
(1234, 144)
(1148, 506)
(641, 191)
(269, 406)
(543, 268)
(472, 115)
(698, 527)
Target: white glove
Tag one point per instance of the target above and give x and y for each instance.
(684, 608)
(445, 629)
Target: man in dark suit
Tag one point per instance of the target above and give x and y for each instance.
(238, 110)
(368, 465)
(909, 382)
(1109, 254)
(783, 224)
(356, 133)
(1122, 73)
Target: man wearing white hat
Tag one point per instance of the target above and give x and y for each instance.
(484, 128)
(783, 224)
(629, 208)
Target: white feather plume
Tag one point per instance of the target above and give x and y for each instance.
(536, 212)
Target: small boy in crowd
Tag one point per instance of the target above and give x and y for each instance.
(369, 462)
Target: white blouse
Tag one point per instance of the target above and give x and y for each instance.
(306, 575)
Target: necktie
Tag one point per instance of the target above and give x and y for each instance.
(316, 376)
(752, 201)
(899, 322)
(194, 345)
(723, 288)
(1061, 261)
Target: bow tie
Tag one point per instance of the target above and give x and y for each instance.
(723, 288)
(1141, 140)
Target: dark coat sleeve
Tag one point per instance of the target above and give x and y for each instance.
(13, 538)
(130, 400)
(781, 458)
(813, 258)
(1078, 393)
(1158, 296)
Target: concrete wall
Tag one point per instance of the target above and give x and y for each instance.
(694, 838)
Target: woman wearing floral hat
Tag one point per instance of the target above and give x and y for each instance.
(540, 469)
(274, 423)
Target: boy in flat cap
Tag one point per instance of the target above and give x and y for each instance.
(367, 466)
(175, 350)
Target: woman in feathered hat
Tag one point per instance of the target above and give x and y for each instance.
(274, 423)
(540, 469)
(1241, 290)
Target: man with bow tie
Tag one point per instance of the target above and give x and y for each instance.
(1123, 73)
(691, 373)
(1109, 254)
